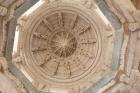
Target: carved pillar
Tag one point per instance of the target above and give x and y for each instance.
(1, 35)
(3, 12)
(132, 47)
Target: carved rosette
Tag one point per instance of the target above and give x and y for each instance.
(68, 43)
(65, 45)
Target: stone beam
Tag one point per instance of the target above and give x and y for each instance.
(9, 46)
(1, 36)
(22, 9)
(117, 47)
(20, 76)
(10, 38)
(109, 14)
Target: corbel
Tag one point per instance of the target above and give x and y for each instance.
(134, 26)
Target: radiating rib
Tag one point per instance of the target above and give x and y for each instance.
(46, 61)
(49, 26)
(73, 21)
(56, 69)
(60, 19)
(84, 29)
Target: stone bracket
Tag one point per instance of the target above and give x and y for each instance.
(134, 26)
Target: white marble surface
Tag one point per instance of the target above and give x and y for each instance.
(6, 85)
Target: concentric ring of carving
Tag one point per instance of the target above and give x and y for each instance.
(63, 43)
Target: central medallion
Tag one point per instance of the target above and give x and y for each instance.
(63, 43)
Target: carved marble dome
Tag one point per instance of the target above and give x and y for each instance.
(69, 46)
(64, 45)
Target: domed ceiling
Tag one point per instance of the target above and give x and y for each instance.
(66, 45)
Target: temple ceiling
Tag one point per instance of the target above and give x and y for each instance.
(76, 46)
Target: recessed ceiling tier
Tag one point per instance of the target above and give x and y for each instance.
(64, 45)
